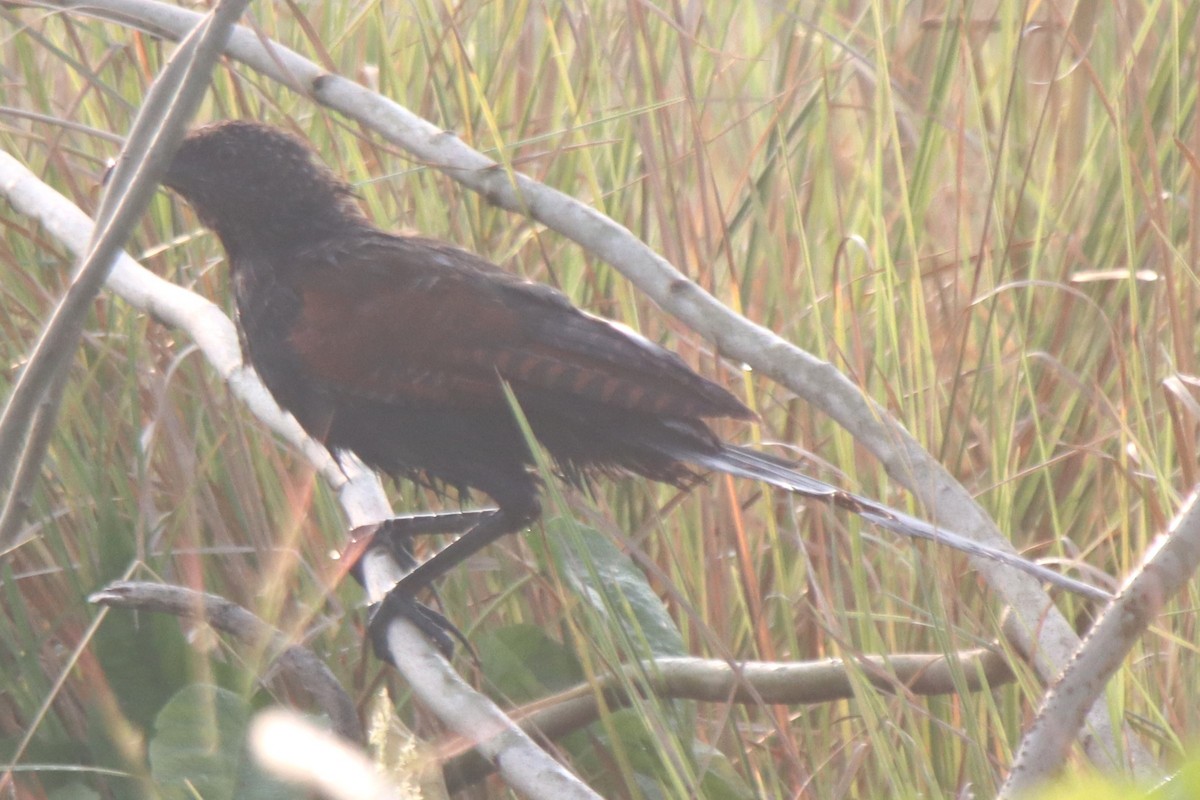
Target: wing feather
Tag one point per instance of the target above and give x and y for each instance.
(413, 321)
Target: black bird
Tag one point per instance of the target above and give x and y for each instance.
(398, 348)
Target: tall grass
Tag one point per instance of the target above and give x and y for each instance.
(990, 222)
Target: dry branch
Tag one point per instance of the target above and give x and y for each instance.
(1165, 571)
(292, 662)
(754, 682)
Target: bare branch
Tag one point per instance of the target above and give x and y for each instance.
(752, 682)
(1165, 571)
(294, 662)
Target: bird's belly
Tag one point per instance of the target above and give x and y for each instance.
(480, 449)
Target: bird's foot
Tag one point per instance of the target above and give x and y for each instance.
(441, 631)
(395, 536)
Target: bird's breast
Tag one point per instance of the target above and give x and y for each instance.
(267, 310)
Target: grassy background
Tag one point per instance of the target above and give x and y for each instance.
(990, 221)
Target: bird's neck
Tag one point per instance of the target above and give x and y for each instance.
(285, 236)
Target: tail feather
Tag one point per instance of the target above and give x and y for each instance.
(747, 463)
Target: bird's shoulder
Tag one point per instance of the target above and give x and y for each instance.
(372, 262)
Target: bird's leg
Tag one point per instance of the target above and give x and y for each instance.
(435, 522)
(396, 535)
(397, 532)
(400, 599)
(492, 526)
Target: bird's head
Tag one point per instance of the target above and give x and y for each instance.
(256, 185)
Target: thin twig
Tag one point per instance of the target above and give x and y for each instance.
(18, 500)
(160, 124)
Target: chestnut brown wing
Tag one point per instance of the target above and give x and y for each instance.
(408, 320)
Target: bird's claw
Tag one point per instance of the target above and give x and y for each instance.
(441, 631)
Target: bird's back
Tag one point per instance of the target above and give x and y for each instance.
(409, 342)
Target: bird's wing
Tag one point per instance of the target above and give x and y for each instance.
(414, 321)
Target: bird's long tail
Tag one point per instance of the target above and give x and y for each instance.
(746, 463)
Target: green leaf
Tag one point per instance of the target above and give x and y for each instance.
(144, 657)
(720, 780)
(73, 791)
(523, 663)
(609, 581)
(197, 746)
(198, 750)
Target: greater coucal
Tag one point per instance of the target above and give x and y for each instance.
(397, 348)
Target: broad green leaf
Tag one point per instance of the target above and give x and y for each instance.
(198, 749)
(613, 586)
(522, 663)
